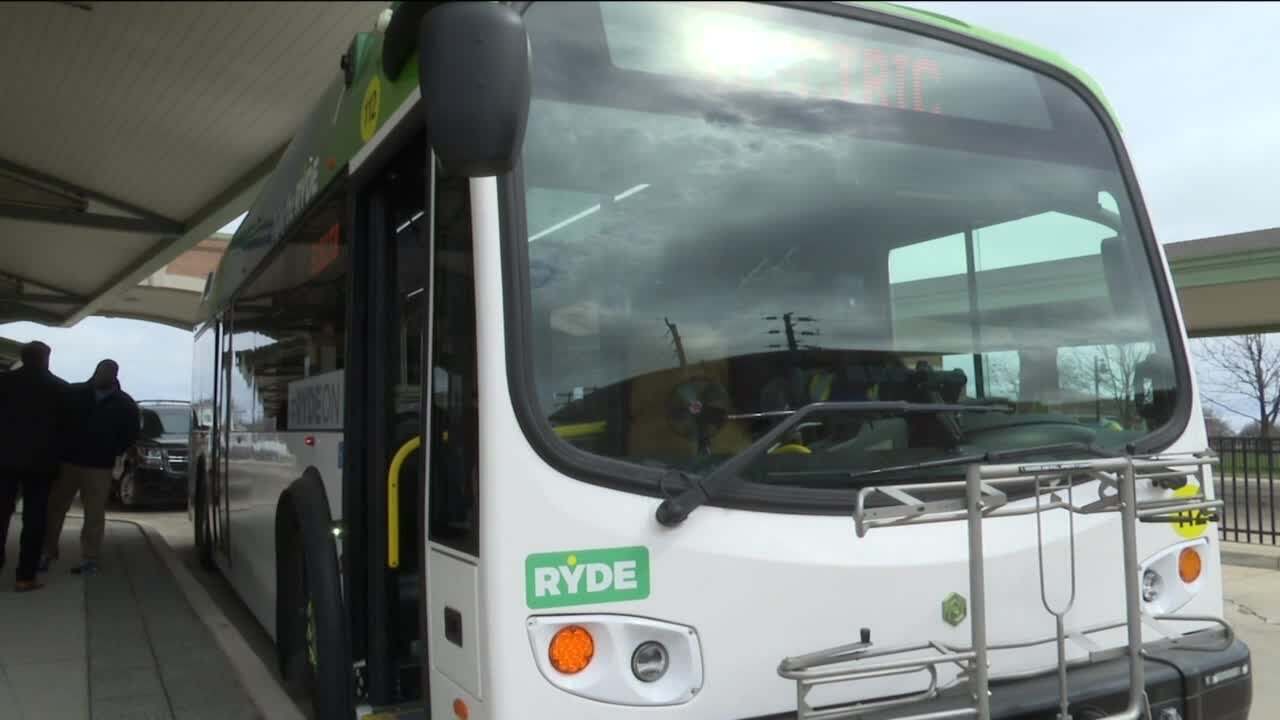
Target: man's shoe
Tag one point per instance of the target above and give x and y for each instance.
(88, 567)
(26, 586)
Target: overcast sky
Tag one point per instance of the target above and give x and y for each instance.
(1191, 82)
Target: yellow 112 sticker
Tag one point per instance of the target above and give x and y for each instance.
(1191, 524)
(370, 109)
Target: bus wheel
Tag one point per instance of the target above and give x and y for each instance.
(204, 541)
(312, 639)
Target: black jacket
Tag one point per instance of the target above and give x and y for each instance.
(99, 431)
(32, 405)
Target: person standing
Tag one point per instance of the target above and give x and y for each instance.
(30, 398)
(104, 424)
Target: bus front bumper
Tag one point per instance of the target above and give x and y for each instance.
(1193, 677)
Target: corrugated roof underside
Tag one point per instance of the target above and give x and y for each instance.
(164, 104)
(67, 258)
(161, 105)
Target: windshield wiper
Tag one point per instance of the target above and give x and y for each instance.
(991, 456)
(675, 508)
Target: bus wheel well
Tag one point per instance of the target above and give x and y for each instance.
(312, 636)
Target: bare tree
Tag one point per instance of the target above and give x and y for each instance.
(1246, 368)
(1002, 378)
(1215, 425)
(1110, 372)
(1254, 430)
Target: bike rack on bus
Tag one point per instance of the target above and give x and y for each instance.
(984, 499)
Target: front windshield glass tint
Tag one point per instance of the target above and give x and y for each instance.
(176, 421)
(734, 210)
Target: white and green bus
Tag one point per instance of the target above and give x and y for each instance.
(708, 360)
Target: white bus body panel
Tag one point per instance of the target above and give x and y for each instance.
(755, 586)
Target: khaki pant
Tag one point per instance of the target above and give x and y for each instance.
(94, 485)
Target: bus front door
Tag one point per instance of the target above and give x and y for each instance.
(396, 222)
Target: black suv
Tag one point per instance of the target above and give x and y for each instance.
(154, 472)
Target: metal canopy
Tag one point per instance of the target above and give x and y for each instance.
(1228, 285)
(134, 130)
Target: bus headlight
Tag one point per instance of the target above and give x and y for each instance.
(1173, 576)
(649, 661)
(1150, 585)
(618, 659)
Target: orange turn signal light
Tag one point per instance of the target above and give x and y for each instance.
(460, 709)
(1189, 565)
(572, 648)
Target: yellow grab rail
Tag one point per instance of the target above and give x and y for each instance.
(397, 462)
(393, 499)
(580, 429)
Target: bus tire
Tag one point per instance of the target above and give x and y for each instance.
(203, 539)
(312, 639)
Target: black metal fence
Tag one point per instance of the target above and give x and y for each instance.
(1246, 483)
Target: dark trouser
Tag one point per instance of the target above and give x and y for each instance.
(35, 510)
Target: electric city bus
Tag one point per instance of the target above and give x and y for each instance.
(713, 360)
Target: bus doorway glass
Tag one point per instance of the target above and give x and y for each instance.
(410, 265)
(398, 292)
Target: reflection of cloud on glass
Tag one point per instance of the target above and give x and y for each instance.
(902, 233)
(1203, 174)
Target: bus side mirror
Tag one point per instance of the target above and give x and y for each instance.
(475, 80)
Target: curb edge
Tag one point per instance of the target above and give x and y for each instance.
(1242, 559)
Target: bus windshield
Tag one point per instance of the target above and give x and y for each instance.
(734, 210)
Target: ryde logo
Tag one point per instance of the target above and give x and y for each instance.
(586, 576)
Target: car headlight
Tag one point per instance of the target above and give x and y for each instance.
(151, 456)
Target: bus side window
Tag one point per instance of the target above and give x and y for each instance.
(452, 502)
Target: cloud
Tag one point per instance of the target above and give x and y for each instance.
(155, 360)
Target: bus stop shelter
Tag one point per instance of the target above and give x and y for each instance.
(133, 131)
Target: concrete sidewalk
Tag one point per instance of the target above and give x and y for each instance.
(124, 643)
(43, 651)
(1253, 609)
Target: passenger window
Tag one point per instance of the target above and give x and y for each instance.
(290, 330)
(454, 460)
